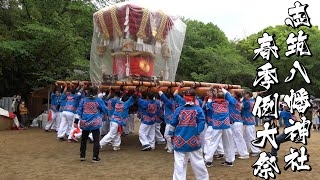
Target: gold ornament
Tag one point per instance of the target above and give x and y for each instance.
(103, 25)
(115, 21)
(141, 33)
(164, 18)
(144, 66)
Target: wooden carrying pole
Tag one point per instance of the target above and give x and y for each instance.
(153, 84)
(167, 86)
(205, 84)
(200, 91)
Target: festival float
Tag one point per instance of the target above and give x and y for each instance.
(135, 46)
(132, 42)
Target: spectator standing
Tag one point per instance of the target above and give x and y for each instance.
(23, 113)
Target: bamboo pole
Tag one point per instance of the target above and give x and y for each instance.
(214, 85)
(169, 83)
(153, 84)
(200, 91)
(135, 83)
(69, 83)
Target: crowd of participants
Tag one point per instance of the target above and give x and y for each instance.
(220, 125)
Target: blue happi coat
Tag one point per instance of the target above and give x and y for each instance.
(121, 111)
(188, 122)
(91, 111)
(149, 110)
(169, 108)
(235, 112)
(247, 116)
(54, 102)
(218, 110)
(72, 102)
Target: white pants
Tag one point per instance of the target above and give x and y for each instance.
(181, 162)
(202, 139)
(113, 136)
(130, 123)
(220, 150)
(240, 144)
(168, 137)
(66, 124)
(129, 128)
(158, 135)
(58, 121)
(213, 137)
(147, 135)
(249, 136)
(16, 122)
(108, 125)
(208, 134)
(52, 123)
(104, 128)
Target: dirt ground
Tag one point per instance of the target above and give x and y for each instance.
(34, 154)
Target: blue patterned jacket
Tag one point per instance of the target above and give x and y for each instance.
(91, 111)
(188, 122)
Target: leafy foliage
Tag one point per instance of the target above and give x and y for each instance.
(208, 56)
(42, 41)
(284, 64)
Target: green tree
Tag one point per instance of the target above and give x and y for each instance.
(284, 64)
(42, 41)
(209, 56)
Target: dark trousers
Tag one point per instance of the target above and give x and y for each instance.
(96, 145)
(280, 122)
(162, 128)
(280, 139)
(24, 119)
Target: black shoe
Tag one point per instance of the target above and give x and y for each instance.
(254, 154)
(62, 139)
(219, 156)
(230, 164)
(95, 159)
(82, 158)
(46, 130)
(146, 148)
(209, 164)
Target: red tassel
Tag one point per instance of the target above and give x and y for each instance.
(120, 129)
(50, 116)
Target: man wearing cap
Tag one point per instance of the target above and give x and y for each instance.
(186, 125)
